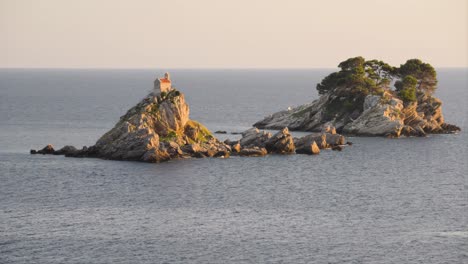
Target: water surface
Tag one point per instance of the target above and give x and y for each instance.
(379, 201)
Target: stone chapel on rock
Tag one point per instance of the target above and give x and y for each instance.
(163, 84)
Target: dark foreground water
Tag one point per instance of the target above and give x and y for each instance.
(379, 201)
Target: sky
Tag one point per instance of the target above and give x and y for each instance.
(230, 34)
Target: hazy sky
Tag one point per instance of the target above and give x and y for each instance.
(230, 34)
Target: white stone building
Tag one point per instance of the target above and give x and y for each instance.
(163, 84)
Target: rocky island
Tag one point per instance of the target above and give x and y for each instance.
(158, 129)
(371, 98)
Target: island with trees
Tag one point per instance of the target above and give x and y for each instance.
(371, 98)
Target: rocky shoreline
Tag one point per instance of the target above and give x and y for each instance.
(254, 143)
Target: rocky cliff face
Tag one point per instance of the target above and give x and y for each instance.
(377, 115)
(145, 128)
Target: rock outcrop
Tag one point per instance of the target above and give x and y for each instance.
(381, 115)
(311, 144)
(377, 119)
(281, 143)
(49, 149)
(157, 129)
(307, 147)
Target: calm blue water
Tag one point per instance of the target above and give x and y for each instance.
(379, 201)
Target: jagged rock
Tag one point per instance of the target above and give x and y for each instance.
(173, 149)
(49, 149)
(254, 137)
(253, 152)
(328, 128)
(220, 132)
(210, 152)
(192, 148)
(156, 155)
(407, 131)
(281, 143)
(334, 139)
(311, 149)
(419, 131)
(67, 150)
(448, 128)
(236, 148)
(377, 119)
(222, 154)
(305, 141)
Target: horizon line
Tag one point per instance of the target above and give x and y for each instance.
(194, 68)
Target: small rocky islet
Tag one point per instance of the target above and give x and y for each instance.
(159, 129)
(371, 98)
(358, 100)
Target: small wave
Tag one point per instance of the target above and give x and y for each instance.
(453, 233)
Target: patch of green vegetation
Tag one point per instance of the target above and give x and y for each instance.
(197, 132)
(171, 136)
(349, 105)
(154, 109)
(358, 78)
(407, 88)
(407, 95)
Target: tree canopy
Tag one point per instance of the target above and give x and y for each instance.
(423, 72)
(362, 77)
(406, 88)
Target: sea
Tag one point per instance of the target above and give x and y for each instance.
(378, 201)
